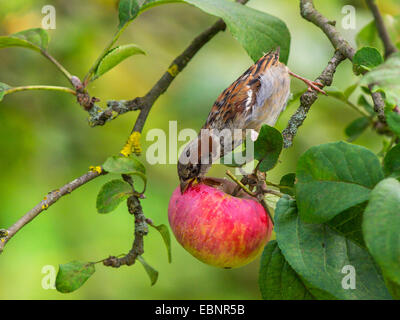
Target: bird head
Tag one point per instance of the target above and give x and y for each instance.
(194, 162)
(188, 174)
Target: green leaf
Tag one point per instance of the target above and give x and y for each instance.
(277, 280)
(348, 224)
(319, 254)
(391, 162)
(71, 276)
(126, 165)
(257, 32)
(393, 288)
(356, 128)
(286, 185)
(123, 165)
(128, 10)
(112, 194)
(349, 90)
(333, 177)
(116, 56)
(3, 88)
(147, 4)
(151, 272)
(369, 37)
(362, 101)
(268, 147)
(164, 231)
(386, 78)
(366, 59)
(35, 39)
(336, 93)
(393, 121)
(366, 90)
(381, 225)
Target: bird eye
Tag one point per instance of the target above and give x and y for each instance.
(187, 153)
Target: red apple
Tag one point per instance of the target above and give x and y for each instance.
(218, 228)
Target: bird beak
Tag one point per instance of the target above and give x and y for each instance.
(185, 184)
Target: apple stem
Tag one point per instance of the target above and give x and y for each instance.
(240, 184)
(258, 196)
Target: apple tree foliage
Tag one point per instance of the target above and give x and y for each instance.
(337, 226)
(256, 31)
(341, 208)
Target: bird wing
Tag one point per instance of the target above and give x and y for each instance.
(235, 104)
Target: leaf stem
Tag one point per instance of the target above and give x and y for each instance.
(103, 53)
(275, 193)
(58, 65)
(40, 87)
(353, 106)
(236, 180)
(272, 184)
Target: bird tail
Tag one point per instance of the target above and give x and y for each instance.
(273, 53)
(267, 60)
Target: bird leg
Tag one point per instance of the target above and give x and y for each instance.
(311, 84)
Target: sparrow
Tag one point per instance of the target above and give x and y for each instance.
(257, 97)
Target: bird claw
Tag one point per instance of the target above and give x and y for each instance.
(312, 85)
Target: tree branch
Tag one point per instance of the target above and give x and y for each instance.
(343, 50)
(141, 230)
(144, 104)
(309, 13)
(382, 31)
(48, 200)
(379, 104)
(389, 48)
(308, 98)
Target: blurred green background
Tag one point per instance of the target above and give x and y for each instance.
(45, 140)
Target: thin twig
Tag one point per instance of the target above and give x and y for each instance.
(359, 110)
(259, 196)
(143, 104)
(379, 104)
(58, 65)
(309, 13)
(343, 50)
(273, 184)
(175, 68)
(240, 184)
(141, 230)
(274, 192)
(103, 53)
(308, 98)
(48, 200)
(389, 48)
(382, 31)
(39, 87)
